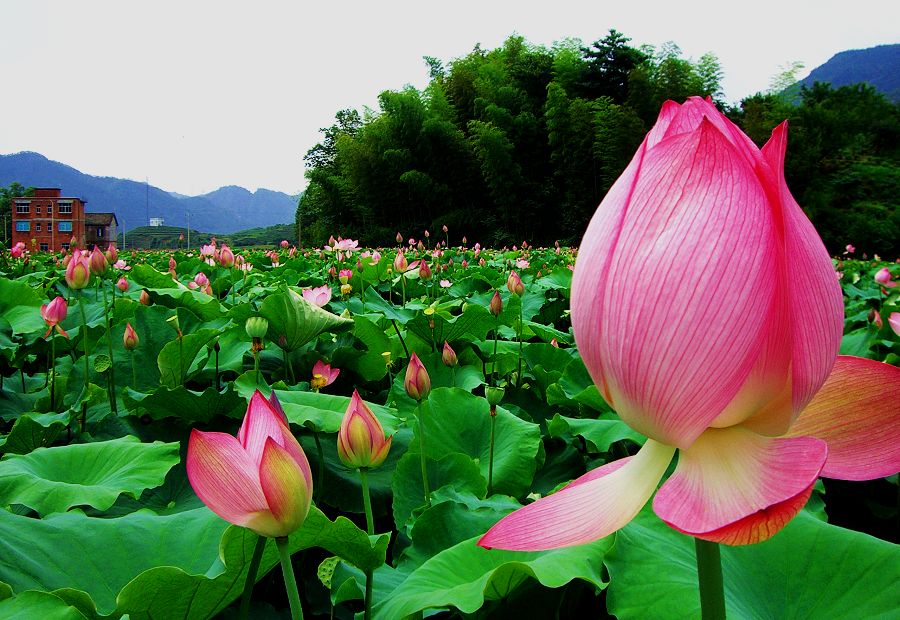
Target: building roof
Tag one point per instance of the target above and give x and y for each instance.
(100, 219)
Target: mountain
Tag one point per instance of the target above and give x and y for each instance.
(879, 66)
(224, 210)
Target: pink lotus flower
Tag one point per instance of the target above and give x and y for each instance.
(260, 479)
(448, 355)
(894, 322)
(78, 271)
(226, 257)
(400, 262)
(121, 265)
(130, 338)
(849, 249)
(18, 250)
(53, 314)
(883, 277)
(344, 275)
(514, 284)
(318, 296)
(417, 382)
(445, 283)
(284, 244)
(744, 382)
(323, 375)
(361, 440)
(122, 284)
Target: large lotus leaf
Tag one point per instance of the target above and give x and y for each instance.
(473, 323)
(466, 377)
(598, 433)
(174, 592)
(455, 470)
(376, 302)
(458, 421)
(370, 365)
(186, 404)
(293, 321)
(172, 294)
(95, 474)
(576, 387)
(808, 570)
(465, 576)
(33, 604)
(29, 433)
(176, 360)
(20, 306)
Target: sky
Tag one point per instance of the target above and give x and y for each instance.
(193, 95)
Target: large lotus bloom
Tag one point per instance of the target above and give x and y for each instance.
(78, 271)
(260, 479)
(744, 381)
(361, 440)
(18, 250)
(53, 314)
(883, 277)
(318, 296)
(323, 375)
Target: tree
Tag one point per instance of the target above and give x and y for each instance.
(7, 194)
(610, 61)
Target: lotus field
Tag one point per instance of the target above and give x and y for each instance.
(654, 423)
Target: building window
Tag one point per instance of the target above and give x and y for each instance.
(23, 226)
(65, 227)
(65, 208)
(23, 209)
(37, 227)
(49, 208)
(37, 210)
(44, 247)
(65, 246)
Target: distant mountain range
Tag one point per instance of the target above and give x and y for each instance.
(878, 66)
(225, 210)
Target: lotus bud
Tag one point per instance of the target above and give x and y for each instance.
(448, 356)
(122, 284)
(424, 270)
(444, 228)
(427, 234)
(226, 257)
(417, 382)
(514, 284)
(361, 440)
(420, 246)
(78, 272)
(98, 261)
(112, 254)
(464, 241)
(400, 262)
(496, 306)
(345, 275)
(346, 289)
(145, 298)
(399, 238)
(53, 314)
(130, 340)
(284, 244)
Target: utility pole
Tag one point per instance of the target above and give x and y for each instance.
(189, 229)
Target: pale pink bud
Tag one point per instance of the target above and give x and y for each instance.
(417, 382)
(130, 340)
(122, 284)
(361, 440)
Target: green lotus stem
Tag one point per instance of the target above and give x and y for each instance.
(400, 336)
(367, 501)
(709, 574)
(494, 364)
(181, 355)
(422, 454)
(53, 372)
(22, 374)
(519, 334)
(250, 581)
(290, 366)
(320, 475)
(256, 366)
(390, 386)
(490, 487)
(87, 369)
(133, 373)
(290, 582)
(370, 529)
(112, 376)
(403, 287)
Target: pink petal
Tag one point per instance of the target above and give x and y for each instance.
(894, 322)
(857, 412)
(286, 489)
(689, 226)
(733, 474)
(224, 477)
(260, 422)
(816, 302)
(594, 506)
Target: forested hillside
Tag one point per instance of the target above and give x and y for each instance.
(523, 141)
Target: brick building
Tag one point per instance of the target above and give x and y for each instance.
(100, 229)
(52, 221)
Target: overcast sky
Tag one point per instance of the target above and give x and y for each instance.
(195, 95)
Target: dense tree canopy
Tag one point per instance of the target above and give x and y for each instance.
(522, 142)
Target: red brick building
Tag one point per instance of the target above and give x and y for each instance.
(49, 221)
